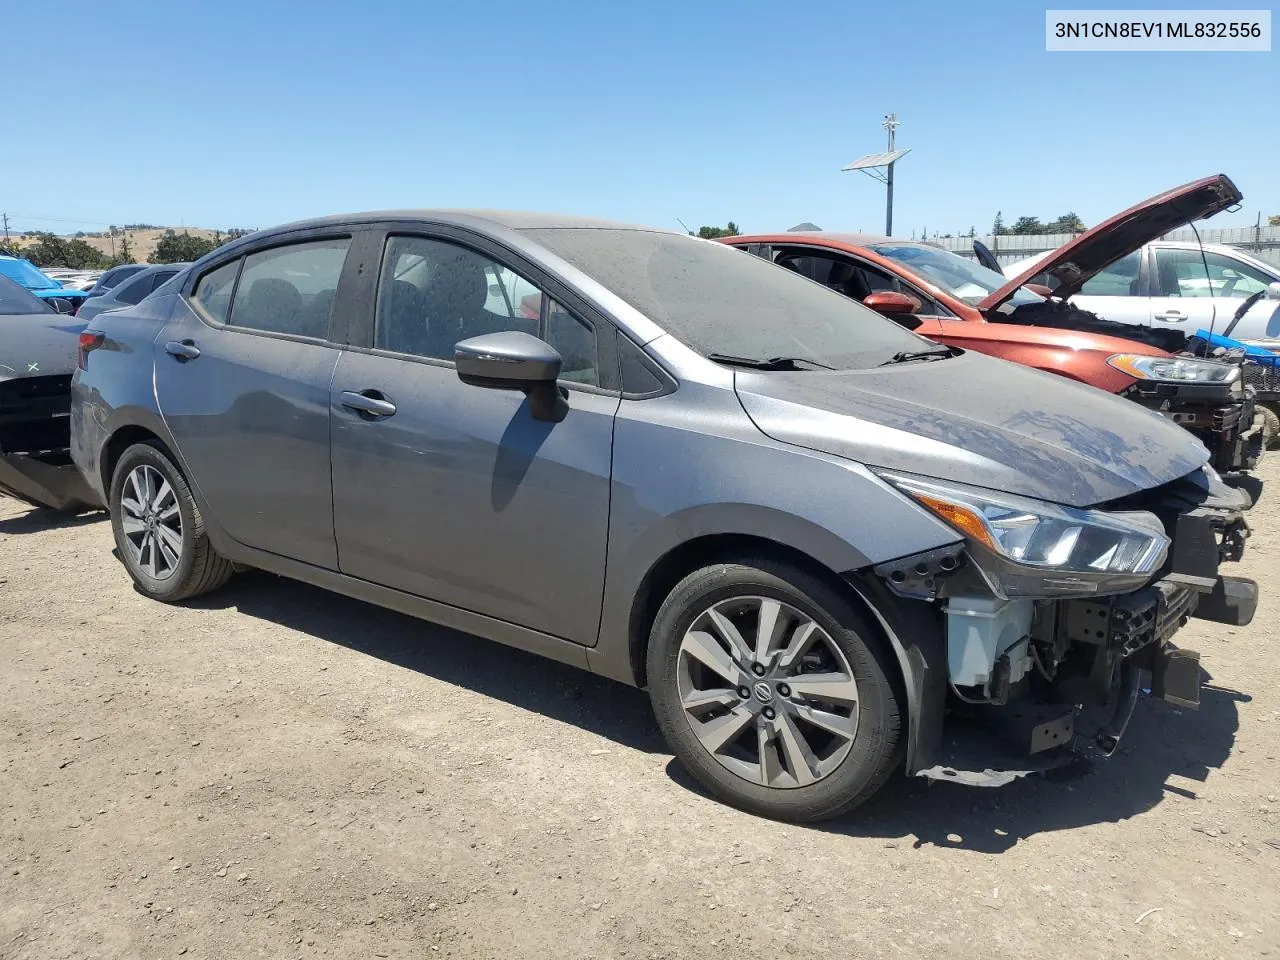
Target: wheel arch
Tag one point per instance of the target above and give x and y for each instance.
(120, 441)
(909, 628)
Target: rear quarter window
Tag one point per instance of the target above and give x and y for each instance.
(213, 290)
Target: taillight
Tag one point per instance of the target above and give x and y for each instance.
(89, 341)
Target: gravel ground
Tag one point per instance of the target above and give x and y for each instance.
(275, 771)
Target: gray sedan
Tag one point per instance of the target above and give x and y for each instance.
(132, 290)
(819, 540)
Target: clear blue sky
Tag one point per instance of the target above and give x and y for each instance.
(252, 112)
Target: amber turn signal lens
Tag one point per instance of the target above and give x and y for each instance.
(963, 519)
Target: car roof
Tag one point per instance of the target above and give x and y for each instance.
(510, 219)
(826, 238)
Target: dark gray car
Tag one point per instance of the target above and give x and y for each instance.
(132, 290)
(819, 540)
(115, 276)
(37, 356)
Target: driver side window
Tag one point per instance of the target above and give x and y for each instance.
(855, 279)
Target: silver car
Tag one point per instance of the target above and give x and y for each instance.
(1169, 283)
(819, 540)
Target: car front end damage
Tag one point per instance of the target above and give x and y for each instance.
(1052, 623)
(35, 457)
(1209, 398)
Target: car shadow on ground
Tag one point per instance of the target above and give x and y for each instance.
(1162, 742)
(38, 520)
(531, 682)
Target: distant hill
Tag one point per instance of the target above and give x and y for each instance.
(141, 242)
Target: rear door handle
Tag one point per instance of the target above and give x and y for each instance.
(182, 349)
(370, 403)
(1171, 316)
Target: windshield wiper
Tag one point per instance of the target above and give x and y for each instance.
(908, 356)
(770, 363)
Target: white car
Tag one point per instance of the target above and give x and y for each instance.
(1165, 284)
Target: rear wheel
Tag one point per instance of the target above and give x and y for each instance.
(773, 690)
(158, 529)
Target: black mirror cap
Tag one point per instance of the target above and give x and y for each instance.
(510, 360)
(62, 304)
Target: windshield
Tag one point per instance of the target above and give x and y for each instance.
(966, 280)
(15, 300)
(719, 300)
(24, 273)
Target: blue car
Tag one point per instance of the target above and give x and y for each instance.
(26, 274)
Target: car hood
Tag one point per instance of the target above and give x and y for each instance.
(977, 420)
(53, 293)
(1074, 263)
(38, 345)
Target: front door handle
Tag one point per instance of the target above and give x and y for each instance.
(1171, 316)
(183, 350)
(369, 403)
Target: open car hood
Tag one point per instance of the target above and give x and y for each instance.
(1074, 263)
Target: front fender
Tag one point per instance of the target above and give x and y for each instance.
(677, 479)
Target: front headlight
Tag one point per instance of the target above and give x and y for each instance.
(1046, 536)
(1174, 369)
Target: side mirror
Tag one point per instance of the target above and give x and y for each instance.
(1273, 291)
(61, 304)
(513, 360)
(891, 303)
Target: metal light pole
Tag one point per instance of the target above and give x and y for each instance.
(890, 123)
(873, 163)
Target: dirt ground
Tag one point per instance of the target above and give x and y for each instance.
(278, 772)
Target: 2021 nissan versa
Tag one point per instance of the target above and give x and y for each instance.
(817, 538)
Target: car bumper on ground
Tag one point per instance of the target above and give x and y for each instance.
(45, 483)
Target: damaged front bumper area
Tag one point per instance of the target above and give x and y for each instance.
(1035, 683)
(1221, 416)
(35, 445)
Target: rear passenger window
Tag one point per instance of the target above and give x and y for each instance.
(290, 289)
(132, 291)
(213, 292)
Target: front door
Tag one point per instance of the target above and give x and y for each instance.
(242, 376)
(1196, 291)
(455, 493)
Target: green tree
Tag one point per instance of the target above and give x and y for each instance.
(1273, 221)
(47, 250)
(180, 248)
(715, 233)
(1027, 225)
(124, 254)
(1067, 223)
(82, 255)
(998, 228)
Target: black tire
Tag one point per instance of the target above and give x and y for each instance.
(199, 568)
(878, 745)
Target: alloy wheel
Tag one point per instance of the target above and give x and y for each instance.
(767, 692)
(151, 522)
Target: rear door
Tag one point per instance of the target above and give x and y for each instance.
(453, 492)
(242, 376)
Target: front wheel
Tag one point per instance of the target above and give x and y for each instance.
(158, 529)
(773, 690)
